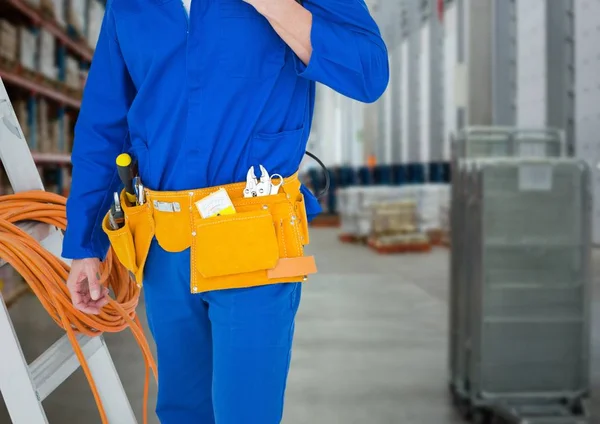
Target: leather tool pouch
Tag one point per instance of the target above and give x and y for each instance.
(131, 243)
(262, 243)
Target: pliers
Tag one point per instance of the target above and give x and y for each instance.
(263, 186)
(116, 217)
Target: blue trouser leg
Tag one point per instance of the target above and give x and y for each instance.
(223, 356)
(252, 340)
(181, 329)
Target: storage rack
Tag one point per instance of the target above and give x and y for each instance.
(39, 97)
(50, 100)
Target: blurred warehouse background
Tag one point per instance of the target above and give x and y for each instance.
(458, 244)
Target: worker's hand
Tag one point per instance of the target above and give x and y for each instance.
(87, 294)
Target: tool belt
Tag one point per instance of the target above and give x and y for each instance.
(262, 243)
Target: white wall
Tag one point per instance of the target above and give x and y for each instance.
(404, 109)
(425, 113)
(329, 138)
(450, 58)
(358, 120)
(531, 63)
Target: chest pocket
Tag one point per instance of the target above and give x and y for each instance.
(250, 47)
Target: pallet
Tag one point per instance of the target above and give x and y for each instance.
(352, 239)
(435, 237)
(326, 221)
(383, 249)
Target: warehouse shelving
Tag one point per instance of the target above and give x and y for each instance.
(54, 158)
(79, 47)
(37, 87)
(46, 83)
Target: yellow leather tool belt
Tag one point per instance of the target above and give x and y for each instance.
(262, 243)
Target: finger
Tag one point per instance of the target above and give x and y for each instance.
(72, 286)
(76, 297)
(73, 278)
(87, 308)
(100, 303)
(93, 284)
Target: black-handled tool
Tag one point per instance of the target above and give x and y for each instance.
(126, 175)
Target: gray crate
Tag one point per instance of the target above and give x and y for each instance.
(470, 147)
(487, 142)
(523, 295)
(529, 280)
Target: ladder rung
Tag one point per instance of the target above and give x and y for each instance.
(57, 363)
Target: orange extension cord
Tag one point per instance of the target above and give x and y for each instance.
(46, 276)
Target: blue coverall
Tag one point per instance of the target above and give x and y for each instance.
(197, 100)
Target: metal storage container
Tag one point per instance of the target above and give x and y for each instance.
(526, 333)
(467, 146)
(472, 148)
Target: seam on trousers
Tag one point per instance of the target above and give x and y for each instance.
(289, 355)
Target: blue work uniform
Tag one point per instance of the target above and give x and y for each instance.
(198, 99)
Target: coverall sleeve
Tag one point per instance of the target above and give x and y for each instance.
(349, 54)
(101, 134)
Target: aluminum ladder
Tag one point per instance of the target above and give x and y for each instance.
(24, 386)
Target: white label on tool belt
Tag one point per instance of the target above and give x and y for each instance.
(167, 206)
(536, 177)
(536, 150)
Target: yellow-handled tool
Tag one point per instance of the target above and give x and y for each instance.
(125, 174)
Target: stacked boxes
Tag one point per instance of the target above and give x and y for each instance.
(20, 108)
(60, 12)
(54, 135)
(391, 218)
(47, 55)
(8, 41)
(47, 7)
(395, 228)
(433, 199)
(95, 16)
(28, 42)
(76, 14)
(68, 145)
(43, 127)
(73, 78)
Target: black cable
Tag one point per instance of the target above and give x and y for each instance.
(327, 179)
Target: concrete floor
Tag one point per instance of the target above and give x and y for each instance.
(370, 344)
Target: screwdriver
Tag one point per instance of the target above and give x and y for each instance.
(126, 176)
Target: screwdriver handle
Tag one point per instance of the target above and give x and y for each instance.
(124, 169)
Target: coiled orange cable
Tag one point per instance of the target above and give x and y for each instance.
(46, 275)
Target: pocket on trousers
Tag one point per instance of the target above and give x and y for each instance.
(235, 244)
